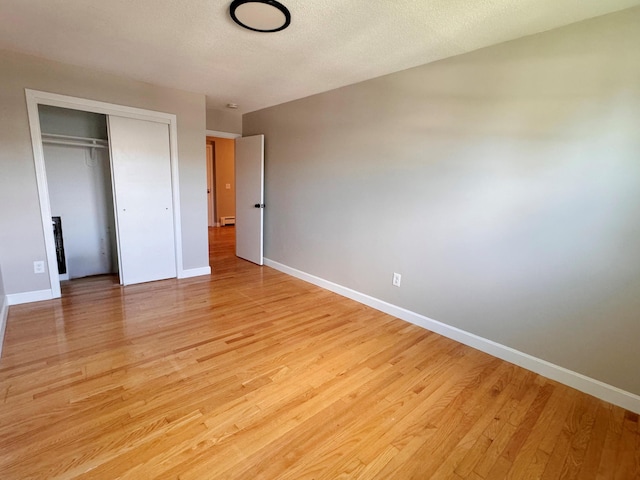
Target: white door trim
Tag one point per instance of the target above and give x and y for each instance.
(216, 133)
(35, 98)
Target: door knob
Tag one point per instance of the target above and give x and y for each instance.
(259, 205)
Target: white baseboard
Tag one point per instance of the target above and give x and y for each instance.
(563, 375)
(64, 277)
(4, 313)
(195, 272)
(27, 297)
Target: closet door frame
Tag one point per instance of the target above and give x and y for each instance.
(34, 99)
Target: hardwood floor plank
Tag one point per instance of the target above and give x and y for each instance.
(530, 461)
(627, 458)
(593, 453)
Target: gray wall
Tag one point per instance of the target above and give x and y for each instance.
(2, 300)
(21, 235)
(64, 121)
(504, 185)
(3, 323)
(228, 121)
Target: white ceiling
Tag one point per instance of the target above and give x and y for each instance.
(194, 45)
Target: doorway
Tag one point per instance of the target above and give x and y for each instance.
(246, 188)
(138, 172)
(221, 196)
(221, 181)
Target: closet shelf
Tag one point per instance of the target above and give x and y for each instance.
(71, 141)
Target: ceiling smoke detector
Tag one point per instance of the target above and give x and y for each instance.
(260, 15)
(232, 105)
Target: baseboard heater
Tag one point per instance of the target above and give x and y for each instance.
(227, 221)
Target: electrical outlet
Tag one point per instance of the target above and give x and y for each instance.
(397, 278)
(38, 267)
(228, 186)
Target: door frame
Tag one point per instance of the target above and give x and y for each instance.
(216, 133)
(219, 134)
(35, 98)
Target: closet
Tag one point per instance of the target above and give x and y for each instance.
(110, 193)
(76, 154)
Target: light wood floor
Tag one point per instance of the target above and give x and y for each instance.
(251, 374)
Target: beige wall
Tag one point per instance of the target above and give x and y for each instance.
(21, 235)
(224, 173)
(229, 121)
(504, 185)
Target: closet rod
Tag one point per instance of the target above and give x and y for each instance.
(74, 144)
(69, 140)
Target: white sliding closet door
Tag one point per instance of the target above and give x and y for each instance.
(141, 170)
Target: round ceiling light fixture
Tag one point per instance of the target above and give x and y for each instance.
(260, 15)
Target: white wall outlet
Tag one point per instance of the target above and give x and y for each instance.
(228, 186)
(38, 267)
(397, 278)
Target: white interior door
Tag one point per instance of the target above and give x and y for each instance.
(211, 209)
(141, 171)
(250, 198)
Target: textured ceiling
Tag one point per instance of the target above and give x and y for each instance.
(193, 44)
